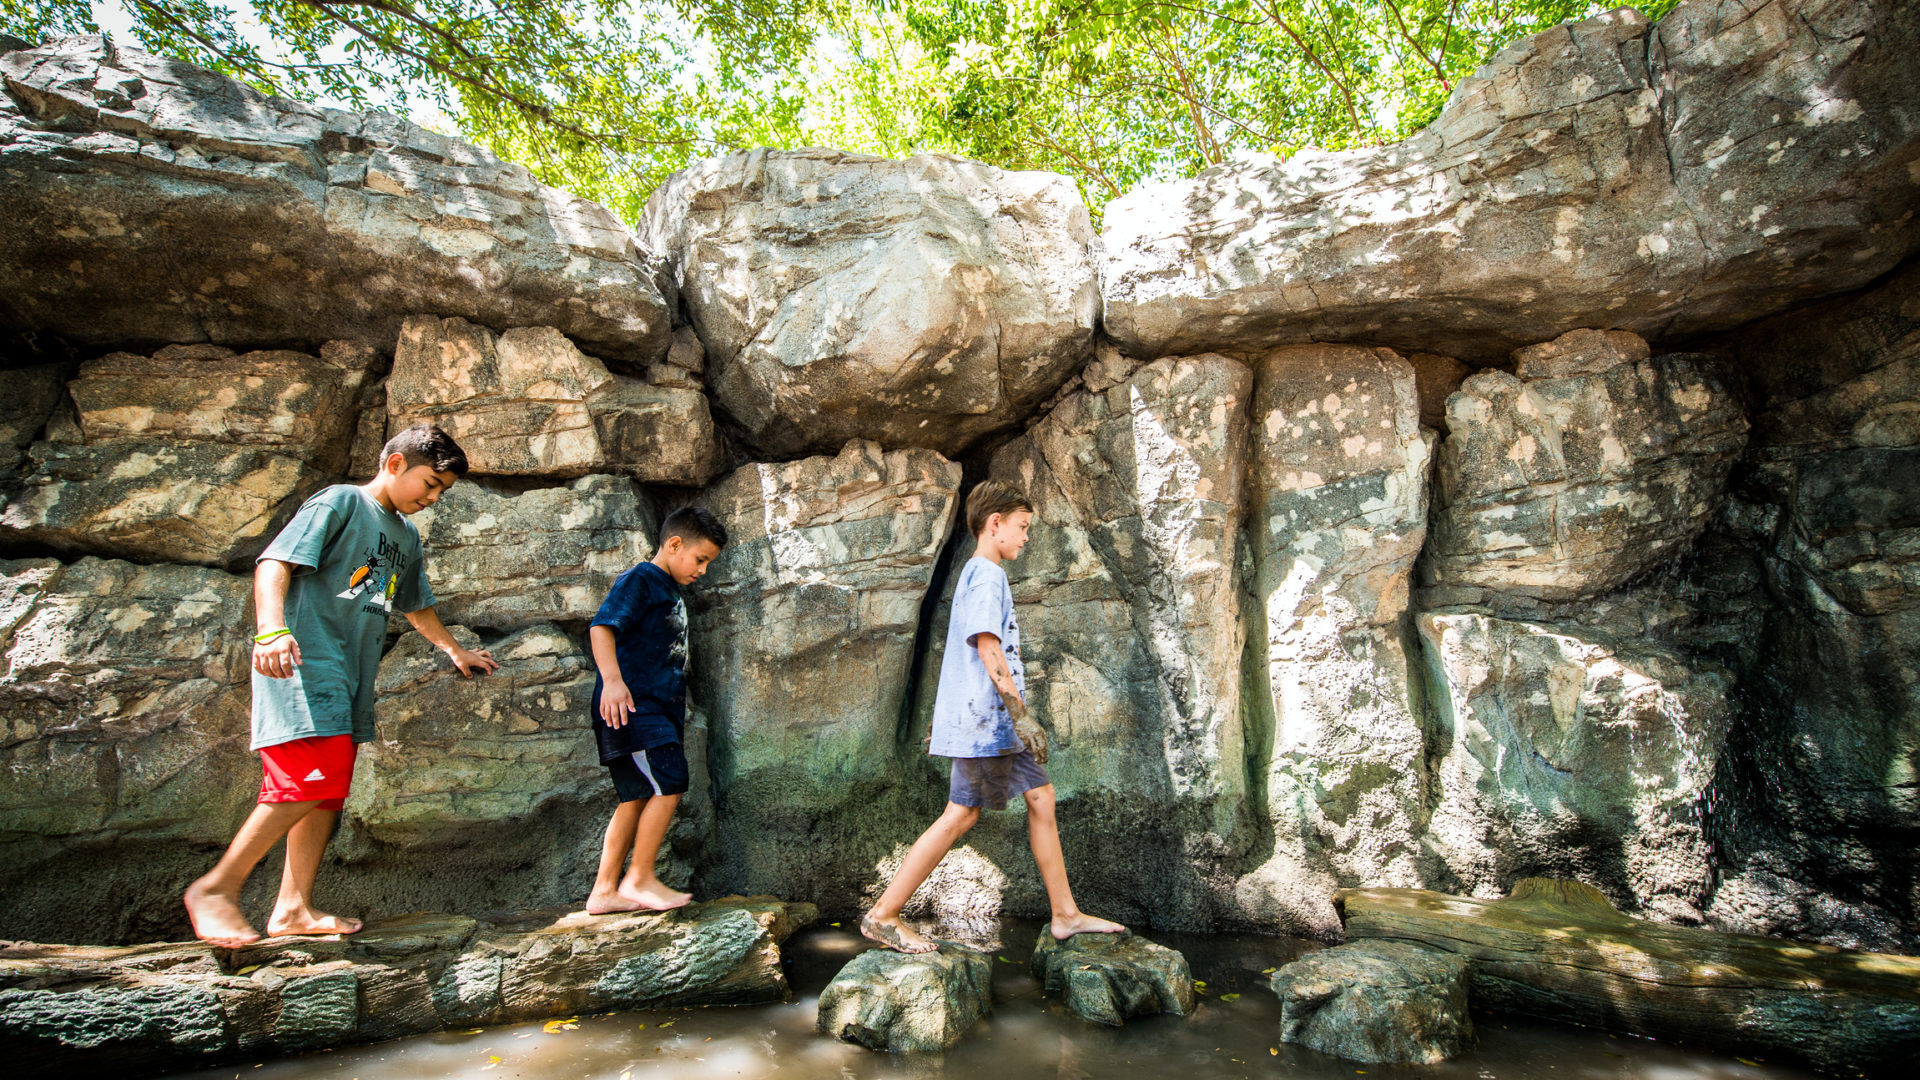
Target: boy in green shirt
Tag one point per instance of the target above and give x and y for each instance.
(322, 593)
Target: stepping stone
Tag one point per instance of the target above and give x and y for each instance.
(1107, 978)
(1376, 1001)
(885, 1000)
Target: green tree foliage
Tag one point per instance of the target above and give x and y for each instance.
(605, 97)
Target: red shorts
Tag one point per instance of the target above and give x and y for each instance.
(320, 767)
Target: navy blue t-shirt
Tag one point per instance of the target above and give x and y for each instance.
(649, 623)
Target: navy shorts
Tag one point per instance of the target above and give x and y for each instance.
(661, 770)
(990, 782)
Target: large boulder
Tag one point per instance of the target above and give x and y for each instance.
(1572, 752)
(193, 502)
(155, 202)
(194, 454)
(1338, 515)
(1668, 179)
(529, 403)
(925, 302)
(1392, 1002)
(458, 755)
(1125, 594)
(123, 740)
(886, 1000)
(1591, 465)
(291, 402)
(1825, 800)
(802, 648)
(503, 560)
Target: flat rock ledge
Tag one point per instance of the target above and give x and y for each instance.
(1107, 978)
(1384, 1002)
(152, 1008)
(1558, 950)
(890, 1001)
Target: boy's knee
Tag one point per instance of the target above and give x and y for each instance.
(1040, 801)
(962, 818)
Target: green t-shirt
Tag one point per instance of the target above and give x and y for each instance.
(354, 563)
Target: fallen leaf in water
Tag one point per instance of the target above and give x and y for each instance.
(1004, 960)
(492, 1063)
(554, 1027)
(643, 1027)
(476, 1031)
(667, 1023)
(248, 968)
(1268, 971)
(1274, 1050)
(1746, 1061)
(1229, 997)
(833, 924)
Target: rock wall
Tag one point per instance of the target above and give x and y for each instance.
(1433, 515)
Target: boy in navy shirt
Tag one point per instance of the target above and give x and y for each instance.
(639, 640)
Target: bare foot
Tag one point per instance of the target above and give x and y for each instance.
(1065, 926)
(217, 918)
(652, 896)
(307, 922)
(609, 902)
(895, 935)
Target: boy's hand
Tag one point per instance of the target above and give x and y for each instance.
(616, 701)
(1031, 735)
(467, 660)
(277, 658)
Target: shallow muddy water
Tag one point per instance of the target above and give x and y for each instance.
(1233, 1035)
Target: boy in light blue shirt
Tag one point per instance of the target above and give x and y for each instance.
(981, 721)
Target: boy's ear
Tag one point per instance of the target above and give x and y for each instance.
(672, 543)
(396, 463)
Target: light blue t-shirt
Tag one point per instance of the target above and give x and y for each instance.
(969, 719)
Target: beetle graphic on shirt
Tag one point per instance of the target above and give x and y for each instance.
(379, 575)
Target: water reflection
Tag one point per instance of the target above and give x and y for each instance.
(1233, 1035)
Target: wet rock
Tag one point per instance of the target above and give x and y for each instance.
(1387, 1002)
(925, 302)
(801, 651)
(156, 202)
(1107, 978)
(504, 560)
(1120, 594)
(1339, 510)
(123, 713)
(528, 403)
(1557, 950)
(886, 1000)
(297, 404)
(150, 1008)
(1667, 179)
(193, 502)
(1568, 485)
(1573, 752)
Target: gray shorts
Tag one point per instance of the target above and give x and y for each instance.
(990, 782)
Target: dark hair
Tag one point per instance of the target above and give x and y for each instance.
(425, 444)
(993, 497)
(691, 523)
